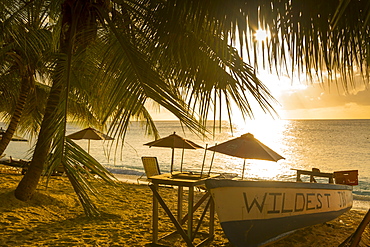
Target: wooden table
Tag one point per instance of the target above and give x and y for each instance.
(181, 180)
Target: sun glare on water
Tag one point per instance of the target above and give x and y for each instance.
(270, 133)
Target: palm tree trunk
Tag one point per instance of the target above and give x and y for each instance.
(16, 117)
(28, 184)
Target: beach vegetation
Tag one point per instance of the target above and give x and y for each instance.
(23, 54)
(132, 68)
(190, 57)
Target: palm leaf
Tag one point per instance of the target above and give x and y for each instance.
(82, 171)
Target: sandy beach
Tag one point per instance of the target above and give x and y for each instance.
(54, 217)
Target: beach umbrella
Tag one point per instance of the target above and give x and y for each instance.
(174, 141)
(89, 134)
(246, 147)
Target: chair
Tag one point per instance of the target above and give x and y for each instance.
(151, 167)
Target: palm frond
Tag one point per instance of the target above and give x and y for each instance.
(161, 57)
(133, 79)
(320, 37)
(199, 62)
(83, 172)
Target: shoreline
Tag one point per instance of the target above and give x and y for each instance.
(54, 217)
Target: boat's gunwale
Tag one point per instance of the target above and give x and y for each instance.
(217, 183)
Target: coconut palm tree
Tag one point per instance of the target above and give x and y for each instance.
(130, 28)
(25, 43)
(31, 113)
(180, 54)
(21, 61)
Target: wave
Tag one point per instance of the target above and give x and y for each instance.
(361, 195)
(124, 171)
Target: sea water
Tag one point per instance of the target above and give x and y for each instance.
(329, 145)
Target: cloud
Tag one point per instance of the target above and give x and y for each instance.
(305, 100)
(348, 111)
(315, 96)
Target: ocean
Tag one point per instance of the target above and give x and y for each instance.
(329, 145)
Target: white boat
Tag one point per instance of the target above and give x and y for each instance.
(255, 213)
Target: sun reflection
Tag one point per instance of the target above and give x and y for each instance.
(276, 134)
(272, 134)
(266, 170)
(255, 169)
(269, 131)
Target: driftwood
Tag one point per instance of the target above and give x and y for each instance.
(354, 239)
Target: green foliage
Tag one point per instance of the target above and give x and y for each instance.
(103, 61)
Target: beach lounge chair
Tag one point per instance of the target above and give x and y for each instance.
(151, 167)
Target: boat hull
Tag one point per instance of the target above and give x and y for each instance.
(253, 213)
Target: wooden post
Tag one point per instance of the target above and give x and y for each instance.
(195, 207)
(190, 211)
(172, 217)
(211, 218)
(179, 203)
(185, 230)
(155, 216)
(360, 229)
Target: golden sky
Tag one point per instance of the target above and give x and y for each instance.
(301, 99)
(313, 100)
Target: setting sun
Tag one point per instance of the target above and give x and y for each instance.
(261, 35)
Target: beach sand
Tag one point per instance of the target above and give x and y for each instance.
(54, 217)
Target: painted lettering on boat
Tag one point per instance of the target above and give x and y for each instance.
(279, 202)
(343, 198)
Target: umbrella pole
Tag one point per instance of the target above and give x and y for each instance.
(210, 167)
(88, 146)
(173, 154)
(204, 160)
(243, 169)
(182, 159)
